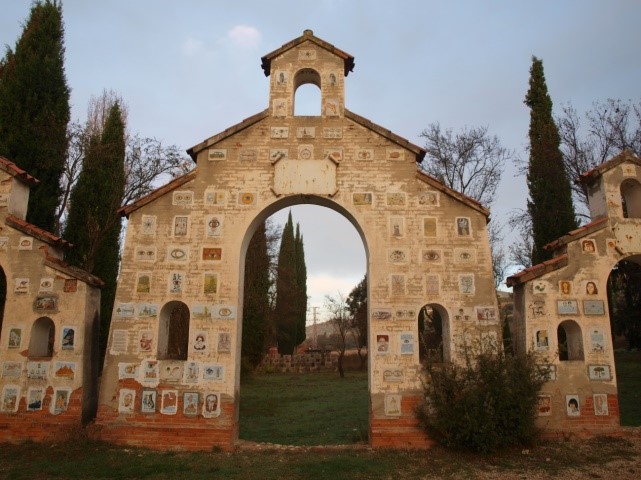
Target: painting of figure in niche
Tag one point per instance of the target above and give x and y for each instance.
(397, 226)
(463, 226)
(600, 404)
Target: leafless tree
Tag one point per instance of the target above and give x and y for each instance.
(497, 251)
(148, 162)
(521, 251)
(608, 129)
(341, 320)
(471, 162)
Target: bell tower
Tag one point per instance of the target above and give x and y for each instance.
(307, 60)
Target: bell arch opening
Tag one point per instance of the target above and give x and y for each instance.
(307, 93)
(311, 360)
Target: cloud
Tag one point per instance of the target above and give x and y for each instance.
(245, 36)
(193, 47)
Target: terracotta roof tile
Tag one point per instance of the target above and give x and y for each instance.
(536, 271)
(15, 171)
(36, 232)
(75, 272)
(470, 202)
(159, 192)
(590, 176)
(580, 232)
(307, 35)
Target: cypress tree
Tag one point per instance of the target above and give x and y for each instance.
(93, 224)
(286, 299)
(301, 288)
(34, 108)
(256, 298)
(550, 203)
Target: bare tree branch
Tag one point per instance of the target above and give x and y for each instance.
(470, 162)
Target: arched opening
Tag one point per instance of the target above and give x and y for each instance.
(433, 333)
(569, 341)
(173, 331)
(624, 308)
(3, 296)
(307, 96)
(41, 341)
(305, 383)
(631, 198)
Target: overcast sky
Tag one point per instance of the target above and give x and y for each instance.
(190, 69)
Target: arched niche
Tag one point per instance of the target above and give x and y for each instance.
(433, 333)
(42, 338)
(631, 198)
(569, 341)
(173, 331)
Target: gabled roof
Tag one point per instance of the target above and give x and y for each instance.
(72, 271)
(15, 171)
(591, 176)
(470, 202)
(159, 192)
(536, 271)
(36, 232)
(580, 232)
(248, 122)
(308, 35)
(228, 132)
(419, 151)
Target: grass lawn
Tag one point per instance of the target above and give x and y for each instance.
(628, 368)
(305, 409)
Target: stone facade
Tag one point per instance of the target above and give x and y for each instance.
(48, 315)
(561, 306)
(185, 248)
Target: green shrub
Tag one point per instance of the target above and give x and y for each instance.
(485, 403)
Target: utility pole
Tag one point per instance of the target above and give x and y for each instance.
(314, 313)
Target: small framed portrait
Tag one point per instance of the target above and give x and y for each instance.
(382, 344)
(591, 287)
(35, 397)
(126, 400)
(600, 401)
(572, 405)
(211, 405)
(544, 406)
(148, 401)
(542, 340)
(145, 340)
(60, 400)
(397, 226)
(393, 405)
(463, 226)
(190, 403)
(169, 402)
(588, 246)
(10, 398)
(191, 372)
(224, 342)
(565, 287)
(15, 337)
(68, 339)
(200, 341)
